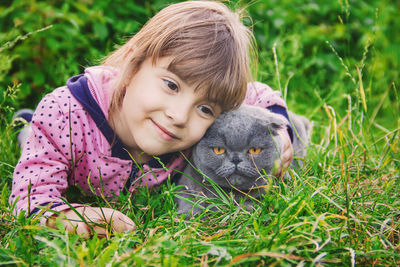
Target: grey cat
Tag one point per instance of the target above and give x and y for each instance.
(235, 152)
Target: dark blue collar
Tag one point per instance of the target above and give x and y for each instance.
(80, 90)
(282, 111)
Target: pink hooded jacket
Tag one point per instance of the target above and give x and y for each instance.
(66, 148)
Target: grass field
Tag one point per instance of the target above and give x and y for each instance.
(336, 62)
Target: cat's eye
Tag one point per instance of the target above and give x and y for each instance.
(254, 150)
(219, 150)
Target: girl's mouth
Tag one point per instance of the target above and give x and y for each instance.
(164, 133)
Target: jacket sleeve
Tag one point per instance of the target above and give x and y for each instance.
(260, 94)
(41, 176)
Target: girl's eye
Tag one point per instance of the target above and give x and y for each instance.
(219, 150)
(254, 151)
(206, 110)
(171, 85)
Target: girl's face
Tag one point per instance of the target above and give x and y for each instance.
(160, 113)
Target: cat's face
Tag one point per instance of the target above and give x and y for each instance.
(239, 147)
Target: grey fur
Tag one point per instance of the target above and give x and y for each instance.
(236, 170)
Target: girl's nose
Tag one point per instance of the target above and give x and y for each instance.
(178, 113)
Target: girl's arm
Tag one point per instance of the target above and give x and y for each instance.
(41, 175)
(45, 171)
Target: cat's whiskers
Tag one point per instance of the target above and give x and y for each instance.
(225, 171)
(263, 175)
(255, 166)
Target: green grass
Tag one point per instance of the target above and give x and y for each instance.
(337, 62)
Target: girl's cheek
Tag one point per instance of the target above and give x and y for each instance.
(202, 133)
(199, 130)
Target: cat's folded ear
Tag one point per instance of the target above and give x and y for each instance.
(272, 121)
(275, 121)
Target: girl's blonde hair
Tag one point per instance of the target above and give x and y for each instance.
(207, 42)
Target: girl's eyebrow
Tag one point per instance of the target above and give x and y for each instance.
(168, 68)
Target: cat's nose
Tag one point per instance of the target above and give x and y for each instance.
(236, 160)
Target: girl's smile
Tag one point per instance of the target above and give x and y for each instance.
(167, 135)
(168, 115)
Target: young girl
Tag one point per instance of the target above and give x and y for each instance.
(154, 96)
